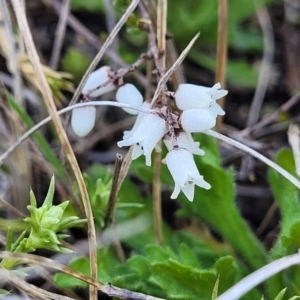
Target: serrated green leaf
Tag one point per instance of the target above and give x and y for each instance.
(183, 282)
(287, 197)
(62, 280)
(156, 253)
(140, 264)
(188, 257)
(228, 272)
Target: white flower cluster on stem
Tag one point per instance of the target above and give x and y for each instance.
(197, 112)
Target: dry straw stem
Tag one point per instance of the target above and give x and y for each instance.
(30, 289)
(47, 96)
(46, 262)
(176, 64)
(103, 49)
(259, 276)
(221, 50)
(156, 190)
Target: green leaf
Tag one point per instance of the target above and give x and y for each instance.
(287, 197)
(69, 282)
(75, 62)
(238, 72)
(89, 5)
(50, 194)
(280, 295)
(183, 282)
(4, 292)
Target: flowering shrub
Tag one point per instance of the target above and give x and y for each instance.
(196, 111)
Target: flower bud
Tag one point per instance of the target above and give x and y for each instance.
(129, 94)
(197, 120)
(83, 120)
(189, 96)
(98, 78)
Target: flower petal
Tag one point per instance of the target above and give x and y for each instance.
(176, 191)
(190, 96)
(96, 79)
(129, 133)
(129, 94)
(197, 120)
(216, 109)
(83, 120)
(189, 190)
(136, 151)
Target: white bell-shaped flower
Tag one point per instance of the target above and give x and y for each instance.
(129, 94)
(129, 133)
(97, 78)
(186, 141)
(190, 96)
(147, 134)
(197, 120)
(183, 169)
(83, 120)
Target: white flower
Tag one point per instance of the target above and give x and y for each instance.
(182, 167)
(83, 120)
(190, 96)
(129, 94)
(96, 79)
(129, 133)
(186, 141)
(215, 109)
(197, 120)
(147, 134)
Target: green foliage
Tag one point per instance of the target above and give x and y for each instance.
(287, 198)
(75, 62)
(161, 271)
(99, 193)
(44, 226)
(89, 5)
(238, 71)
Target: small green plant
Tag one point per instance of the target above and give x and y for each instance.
(45, 227)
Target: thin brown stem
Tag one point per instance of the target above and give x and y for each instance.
(222, 51)
(112, 201)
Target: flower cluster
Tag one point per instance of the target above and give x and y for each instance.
(197, 112)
